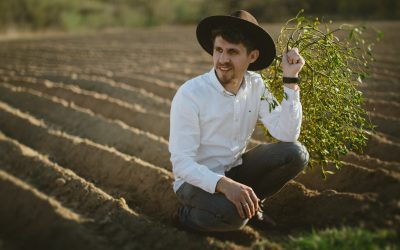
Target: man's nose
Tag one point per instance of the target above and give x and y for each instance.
(224, 58)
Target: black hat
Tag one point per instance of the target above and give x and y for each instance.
(242, 20)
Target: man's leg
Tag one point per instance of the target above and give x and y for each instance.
(202, 211)
(268, 167)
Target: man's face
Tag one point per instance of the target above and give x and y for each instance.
(231, 60)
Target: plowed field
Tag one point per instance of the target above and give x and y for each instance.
(84, 162)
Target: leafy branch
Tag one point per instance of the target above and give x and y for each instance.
(337, 61)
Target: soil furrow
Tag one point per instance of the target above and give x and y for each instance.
(92, 80)
(57, 228)
(109, 217)
(380, 85)
(152, 84)
(382, 148)
(385, 124)
(378, 181)
(371, 162)
(386, 108)
(99, 104)
(125, 175)
(117, 90)
(378, 95)
(67, 116)
(296, 207)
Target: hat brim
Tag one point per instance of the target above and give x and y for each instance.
(263, 41)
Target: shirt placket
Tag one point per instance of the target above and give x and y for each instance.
(236, 126)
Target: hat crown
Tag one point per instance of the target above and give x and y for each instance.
(242, 14)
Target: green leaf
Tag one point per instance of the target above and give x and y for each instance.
(332, 106)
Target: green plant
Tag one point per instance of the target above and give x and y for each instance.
(334, 121)
(345, 238)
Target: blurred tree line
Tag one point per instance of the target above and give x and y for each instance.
(97, 14)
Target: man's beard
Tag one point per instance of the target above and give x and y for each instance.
(227, 76)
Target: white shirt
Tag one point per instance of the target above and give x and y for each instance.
(210, 127)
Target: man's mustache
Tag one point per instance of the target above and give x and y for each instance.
(225, 65)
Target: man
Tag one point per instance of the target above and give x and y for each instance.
(213, 117)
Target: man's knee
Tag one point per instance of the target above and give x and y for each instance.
(298, 154)
(234, 220)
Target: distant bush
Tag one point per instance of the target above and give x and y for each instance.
(97, 14)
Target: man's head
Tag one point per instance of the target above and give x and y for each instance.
(233, 52)
(238, 28)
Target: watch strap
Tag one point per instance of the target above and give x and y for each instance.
(291, 80)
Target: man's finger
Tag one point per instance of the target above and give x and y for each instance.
(255, 200)
(246, 208)
(239, 208)
(296, 59)
(251, 205)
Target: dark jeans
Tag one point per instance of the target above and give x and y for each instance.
(266, 168)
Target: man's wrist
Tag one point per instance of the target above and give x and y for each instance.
(293, 86)
(290, 74)
(221, 184)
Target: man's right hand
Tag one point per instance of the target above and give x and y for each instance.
(242, 196)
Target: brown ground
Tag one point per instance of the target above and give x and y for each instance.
(83, 143)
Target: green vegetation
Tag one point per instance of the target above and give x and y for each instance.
(98, 14)
(334, 120)
(334, 239)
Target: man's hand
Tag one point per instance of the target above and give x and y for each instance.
(242, 196)
(292, 63)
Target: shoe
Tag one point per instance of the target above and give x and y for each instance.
(262, 221)
(175, 217)
(176, 222)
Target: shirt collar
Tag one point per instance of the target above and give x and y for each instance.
(218, 86)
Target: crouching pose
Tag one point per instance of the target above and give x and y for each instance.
(221, 186)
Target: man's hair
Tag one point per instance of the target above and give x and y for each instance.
(233, 35)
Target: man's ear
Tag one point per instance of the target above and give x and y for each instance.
(254, 54)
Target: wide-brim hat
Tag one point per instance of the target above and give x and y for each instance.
(245, 22)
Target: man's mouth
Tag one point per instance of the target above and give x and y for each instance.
(224, 68)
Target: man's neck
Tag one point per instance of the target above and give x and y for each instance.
(233, 86)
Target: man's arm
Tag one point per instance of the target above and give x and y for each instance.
(184, 142)
(284, 121)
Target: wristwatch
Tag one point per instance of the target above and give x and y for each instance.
(295, 80)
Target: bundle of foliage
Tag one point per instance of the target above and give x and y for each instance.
(337, 59)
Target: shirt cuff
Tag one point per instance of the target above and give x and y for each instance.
(292, 95)
(212, 182)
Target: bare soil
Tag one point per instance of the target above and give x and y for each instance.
(84, 123)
